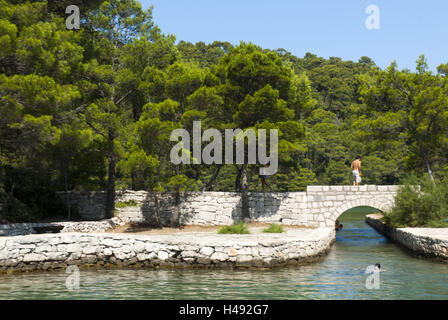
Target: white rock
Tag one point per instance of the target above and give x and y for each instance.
(89, 250)
(74, 247)
(162, 255)
(33, 257)
(139, 247)
(207, 251)
(219, 256)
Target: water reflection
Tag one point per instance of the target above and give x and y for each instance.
(339, 276)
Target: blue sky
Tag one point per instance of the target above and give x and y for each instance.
(323, 27)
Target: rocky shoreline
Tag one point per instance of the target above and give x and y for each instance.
(189, 250)
(429, 243)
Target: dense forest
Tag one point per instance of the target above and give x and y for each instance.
(93, 109)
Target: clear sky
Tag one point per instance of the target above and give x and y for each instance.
(323, 27)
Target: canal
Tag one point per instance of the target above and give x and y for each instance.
(340, 275)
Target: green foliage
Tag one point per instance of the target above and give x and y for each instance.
(205, 55)
(237, 228)
(425, 207)
(265, 104)
(93, 109)
(408, 111)
(292, 179)
(125, 204)
(274, 228)
(140, 164)
(380, 170)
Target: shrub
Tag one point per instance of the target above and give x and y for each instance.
(130, 203)
(274, 228)
(427, 207)
(237, 228)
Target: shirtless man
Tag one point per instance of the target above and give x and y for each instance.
(356, 167)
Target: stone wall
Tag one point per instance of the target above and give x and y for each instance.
(425, 242)
(91, 205)
(18, 229)
(319, 206)
(53, 251)
(198, 208)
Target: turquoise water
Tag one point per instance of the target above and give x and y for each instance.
(340, 275)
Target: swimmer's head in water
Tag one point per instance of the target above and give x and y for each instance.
(377, 265)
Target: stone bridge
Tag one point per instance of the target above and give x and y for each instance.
(322, 205)
(319, 206)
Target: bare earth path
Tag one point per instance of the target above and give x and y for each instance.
(254, 228)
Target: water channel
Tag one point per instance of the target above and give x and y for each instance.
(340, 275)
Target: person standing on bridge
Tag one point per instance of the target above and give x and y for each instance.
(356, 167)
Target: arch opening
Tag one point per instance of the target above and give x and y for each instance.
(361, 211)
(352, 230)
(355, 214)
(376, 205)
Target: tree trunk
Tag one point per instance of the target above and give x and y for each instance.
(67, 197)
(175, 214)
(157, 210)
(11, 192)
(133, 187)
(196, 172)
(238, 179)
(210, 183)
(244, 193)
(428, 167)
(110, 202)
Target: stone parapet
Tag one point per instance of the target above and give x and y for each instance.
(319, 206)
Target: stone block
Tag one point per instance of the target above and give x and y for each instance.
(303, 205)
(89, 250)
(243, 259)
(219, 256)
(314, 188)
(162, 255)
(207, 251)
(393, 188)
(33, 257)
(74, 247)
(336, 188)
(189, 254)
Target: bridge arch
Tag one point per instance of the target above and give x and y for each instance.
(382, 205)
